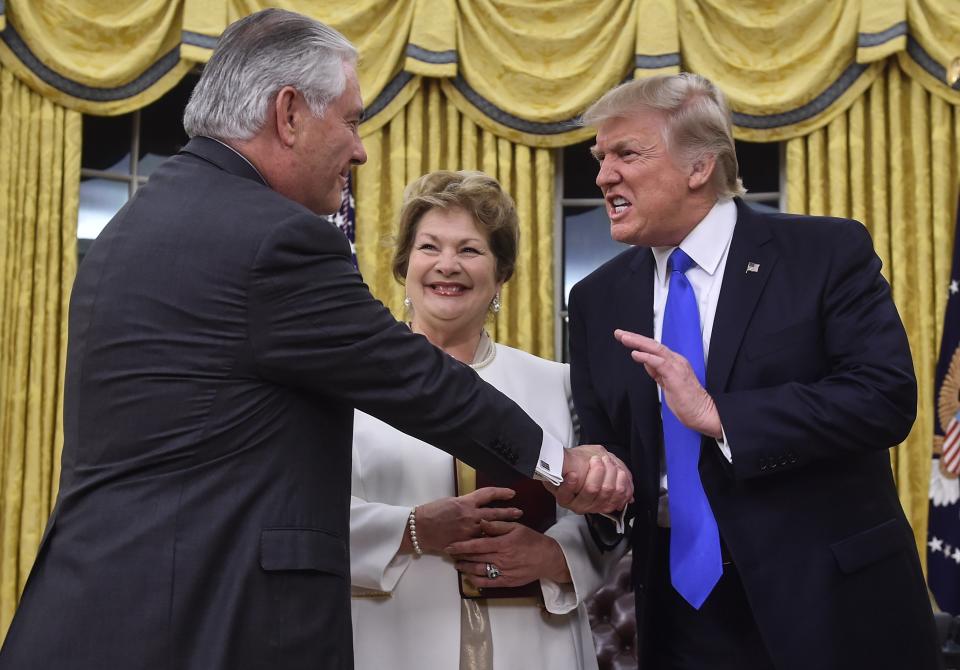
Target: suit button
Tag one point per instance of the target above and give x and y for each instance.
(783, 461)
(792, 457)
(763, 464)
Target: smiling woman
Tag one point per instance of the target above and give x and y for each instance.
(457, 246)
(410, 531)
(451, 275)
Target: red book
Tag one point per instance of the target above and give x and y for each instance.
(539, 513)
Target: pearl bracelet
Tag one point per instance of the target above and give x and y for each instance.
(412, 527)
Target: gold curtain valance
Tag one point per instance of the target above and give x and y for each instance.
(523, 69)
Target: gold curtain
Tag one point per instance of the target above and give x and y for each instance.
(521, 69)
(94, 56)
(430, 133)
(39, 193)
(892, 161)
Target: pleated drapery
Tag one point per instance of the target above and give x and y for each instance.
(39, 192)
(428, 134)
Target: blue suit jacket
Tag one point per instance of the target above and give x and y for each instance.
(811, 372)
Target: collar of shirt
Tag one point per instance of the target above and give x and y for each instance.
(706, 243)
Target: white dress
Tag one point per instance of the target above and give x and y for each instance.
(406, 609)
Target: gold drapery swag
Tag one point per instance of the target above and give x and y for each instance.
(521, 69)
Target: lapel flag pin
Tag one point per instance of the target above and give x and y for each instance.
(753, 267)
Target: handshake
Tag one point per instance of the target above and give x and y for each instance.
(594, 481)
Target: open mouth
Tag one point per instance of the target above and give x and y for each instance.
(617, 206)
(448, 289)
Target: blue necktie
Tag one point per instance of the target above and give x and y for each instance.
(695, 563)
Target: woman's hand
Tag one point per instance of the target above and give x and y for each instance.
(522, 555)
(443, 522)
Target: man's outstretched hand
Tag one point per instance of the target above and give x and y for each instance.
(594, 481)
(682, 392)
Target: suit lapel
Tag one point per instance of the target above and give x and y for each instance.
(749, 263)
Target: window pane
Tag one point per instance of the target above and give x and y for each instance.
(759, 166)
(100, 199)
(150, 162)
(586, 244)
(106, 142)
(580, 172)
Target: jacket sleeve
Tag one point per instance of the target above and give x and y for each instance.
(314, 326)
(595, 425)
(587, 562)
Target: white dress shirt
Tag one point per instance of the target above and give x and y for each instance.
(707, 245)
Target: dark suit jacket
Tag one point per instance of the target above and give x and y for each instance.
(219, 341)
(812, 376)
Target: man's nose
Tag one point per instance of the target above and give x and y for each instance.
(607, 174)
(359, 154)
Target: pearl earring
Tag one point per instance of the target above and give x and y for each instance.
(407, 302)
(495, 304)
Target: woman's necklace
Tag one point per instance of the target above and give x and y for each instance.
(486, 352)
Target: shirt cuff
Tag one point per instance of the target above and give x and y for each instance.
(725, 445)
(550, 464)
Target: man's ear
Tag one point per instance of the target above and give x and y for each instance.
(701, 170)
(286, 108)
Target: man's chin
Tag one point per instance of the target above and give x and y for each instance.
(326, 208)
(620, 233)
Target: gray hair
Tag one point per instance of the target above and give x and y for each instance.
(698, 121)
(256, 57)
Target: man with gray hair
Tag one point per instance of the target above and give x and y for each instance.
(752, 370)
(220, 339)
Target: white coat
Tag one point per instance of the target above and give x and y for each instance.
(414, 624)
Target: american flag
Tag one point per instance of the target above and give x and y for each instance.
(943, 537)
(950, 457)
